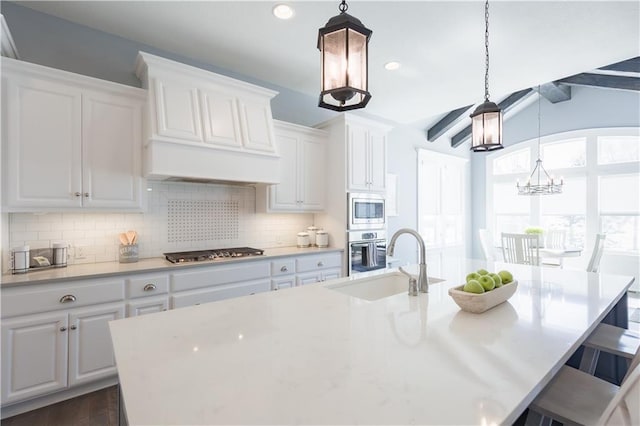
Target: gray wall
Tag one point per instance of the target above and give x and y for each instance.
(588, 108)
(46, 40)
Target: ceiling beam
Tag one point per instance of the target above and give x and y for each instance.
(509, 102)
(447, 122)
(602, 80)
(630, 65)
(554, 92)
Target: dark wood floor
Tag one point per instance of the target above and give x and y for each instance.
(98, 408)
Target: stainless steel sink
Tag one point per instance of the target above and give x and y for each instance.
(377, 287)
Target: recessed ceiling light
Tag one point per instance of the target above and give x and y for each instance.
(283, 11)
(392, 66)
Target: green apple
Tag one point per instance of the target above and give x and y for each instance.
(496, 279)
(506, 277)
(472, 276)
(482, 271)
(487, 282)
(473, 286)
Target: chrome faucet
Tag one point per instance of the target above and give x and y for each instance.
(422, 283)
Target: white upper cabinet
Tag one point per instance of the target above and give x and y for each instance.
(204, 125)
(69, 141)
(302, 171)
(366, 158)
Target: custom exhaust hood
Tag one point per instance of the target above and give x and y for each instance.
(206, 127)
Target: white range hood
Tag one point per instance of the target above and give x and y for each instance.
(206, 127)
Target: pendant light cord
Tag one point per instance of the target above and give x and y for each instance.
(343, 6)
(486, 49)
(539, 96)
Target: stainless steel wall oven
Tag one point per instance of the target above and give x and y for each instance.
(367, 250)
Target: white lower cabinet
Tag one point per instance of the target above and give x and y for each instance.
(147, 294)
(147, 305)
(317, 268)
(43, 353)
(198, 297)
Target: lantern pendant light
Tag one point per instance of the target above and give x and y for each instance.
(486, 120)
(343, 43)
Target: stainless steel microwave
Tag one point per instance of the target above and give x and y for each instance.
(366, 211)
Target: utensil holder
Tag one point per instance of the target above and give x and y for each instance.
(128, 253)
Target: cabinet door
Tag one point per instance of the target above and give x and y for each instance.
(177, 110)
(34, 356)
(377, 161)
(308, 278)
(285, 196)
(111, 151)
(256, 124)
(357, 158)
(43, 136)
(220, 119)
(312, 173)
(90, 348)
(331, 274)
(282, 283)
(147, 305)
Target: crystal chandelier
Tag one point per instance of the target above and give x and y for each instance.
(543, 183)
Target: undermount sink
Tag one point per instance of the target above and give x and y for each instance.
(377, 287)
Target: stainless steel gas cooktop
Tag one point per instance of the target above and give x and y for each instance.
(216, 254)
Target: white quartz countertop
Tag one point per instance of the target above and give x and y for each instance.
(313, 355)
(104, 269)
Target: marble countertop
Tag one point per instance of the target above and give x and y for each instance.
(104, 269)
(313, 355)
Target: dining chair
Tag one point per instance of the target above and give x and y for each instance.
(486, 244)
(554, 239)
(576, 397)
(520, 248)
(596, 255)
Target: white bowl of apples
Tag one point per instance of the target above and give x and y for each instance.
(484, 290)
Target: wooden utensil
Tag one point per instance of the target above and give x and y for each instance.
(135, 238)
(131, 235)
(123, 239)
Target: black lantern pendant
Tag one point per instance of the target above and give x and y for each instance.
(343, 43)
(486, 120)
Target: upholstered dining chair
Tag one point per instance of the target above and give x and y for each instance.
(596, 255)
(520, 248)
(486, 244)
(576, 397)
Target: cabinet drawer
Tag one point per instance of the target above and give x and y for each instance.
(218, 275)
(190, 298)
(283, 267)
(318, 262)
(147, 285)
(43, 298)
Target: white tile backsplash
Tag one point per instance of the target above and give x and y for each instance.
(97, 233)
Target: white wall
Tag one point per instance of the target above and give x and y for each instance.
(97, 233)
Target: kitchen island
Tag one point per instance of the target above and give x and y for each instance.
(314, 355)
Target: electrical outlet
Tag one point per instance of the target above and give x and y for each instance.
(80, 252)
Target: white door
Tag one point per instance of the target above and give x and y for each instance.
(90, 348)
(312, 173)
(377, 161)
(256, 122)
(111, 151)
(43, 128)
(284, 196)
(34, 356)
(357, 159)
(147, 305)
(177, 110)
(220, 118)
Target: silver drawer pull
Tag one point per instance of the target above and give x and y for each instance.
(73, 327)
(63, 328)
(320, 264)
(77, 194)
(67, 298)
(284, 269)
(149, 287)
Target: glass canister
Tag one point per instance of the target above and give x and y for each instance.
(303, 239)
(20, 260)
(311, 230)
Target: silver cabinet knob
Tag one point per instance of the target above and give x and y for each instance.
(77, 194)
(73, 327)
(67, 298)
(320, 264)
(63, 328)
(86, 194)
(284, 269)
(149, 287)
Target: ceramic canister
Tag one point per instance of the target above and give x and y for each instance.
(303, 239)
(311, 230)
(322, 238)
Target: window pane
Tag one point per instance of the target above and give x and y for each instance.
(618, 149)
(507, 200)
(560, 155)
(573, 198)
(575, 226)
(510, 223)
(451, 199)
(516, 162)
(622, 232)
(620, 194)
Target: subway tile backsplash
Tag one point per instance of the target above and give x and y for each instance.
(225, 214)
